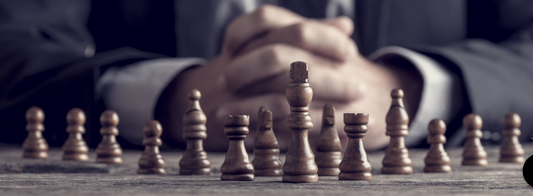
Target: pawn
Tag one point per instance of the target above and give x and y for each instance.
(194, 160)
(151, 161)
(75, 148)
(109, 151)
(437, 159)
(266, 148)
(328, 151)
(473, 151)
(236, 166)
(396, 160)
(511, 150)
(354, 165)
(35, 145)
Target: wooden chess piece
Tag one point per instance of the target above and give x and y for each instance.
(266, 148)
(437, 160)
(151, 161)
(299, 163)
(328, 153)
(473, 151)
(35, 145)
(354, 165)
(75, 148)
(237, 166)
(511, 150)
(397, 159)
(109, 151)
(194, 160)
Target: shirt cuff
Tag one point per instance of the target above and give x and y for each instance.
(437, 94)
(132, 91)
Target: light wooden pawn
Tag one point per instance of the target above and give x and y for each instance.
(511, 150)
(437, 160)
(75, 148)
(109, 151)
(151, 161)
(35, 146)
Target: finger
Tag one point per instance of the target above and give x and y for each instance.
(314, 36)
(266, 70)
(260, 21)
(343, 23)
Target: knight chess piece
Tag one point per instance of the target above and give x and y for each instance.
(35, 145)
(75, 148)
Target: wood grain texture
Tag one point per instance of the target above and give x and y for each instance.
(236, 166)
(355, 165)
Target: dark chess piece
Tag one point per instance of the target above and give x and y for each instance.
(35, 145)
(151, 161)
(75, 148)
(355, 165)
(266, 148)
(511, 150)
(473, 151)
(396, 160)
(109, 151)
(194, 160)
(437, 160)
(328, 153)
(300, 163)
(237, 166)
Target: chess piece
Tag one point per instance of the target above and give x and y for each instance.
(35, 145)
(151, 161)
(437, 160)
(473, 151)
(396, 160)
(109, 151)
(75, 148)
(511, 150)
(354, 165)
(266, 148)
(328, 151)
(194, 160)
(237, 166)
(300, 163)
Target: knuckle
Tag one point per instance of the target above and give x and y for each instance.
(300, 33)
(273, 54)
(264, 13)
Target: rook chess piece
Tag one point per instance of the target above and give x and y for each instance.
(437, 159)
(266, 148)
(511, 150)
(35, 145)
(328, 151)
(109, 151)
(194, 160)
(237, 166)
(75, 148)
(299, 163)
(396, 160)
(354, 165)
(151, 161)
(473, 151)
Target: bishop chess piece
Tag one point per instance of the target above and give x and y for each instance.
(355, 165)
(473, 151)
(35, 145)
(328, 151)
(511, 150)
(151, 161)
(266, 148)
(75, 148)
(109, 151)
(299, 163)
(437, 160)
(397, 159)
(194, 160)
(237, 166)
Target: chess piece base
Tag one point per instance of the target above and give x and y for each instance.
(198, 171)
(268, 172)
(438, 169)
(300, 178)
(328, 171)
(475, 162)
(35, 154)
(151, 171)
(75, 157)
(238, 177)
(512, 159)
(397, 170)
(110, 160)
(355, 176)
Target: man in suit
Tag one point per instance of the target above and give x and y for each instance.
(450, 57)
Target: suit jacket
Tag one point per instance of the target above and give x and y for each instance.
(53, 51)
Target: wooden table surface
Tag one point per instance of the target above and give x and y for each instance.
(55, 177)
